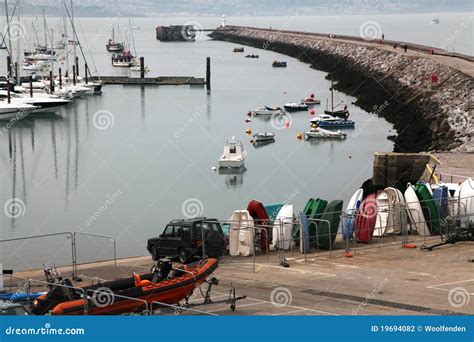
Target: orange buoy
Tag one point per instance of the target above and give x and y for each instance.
(299, 136)
(409, 245)
(348, 255)
(248, 131)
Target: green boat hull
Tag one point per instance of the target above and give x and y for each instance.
(313, 211)
(430, 210)
(327, 232)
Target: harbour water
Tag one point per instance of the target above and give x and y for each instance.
(127, 162)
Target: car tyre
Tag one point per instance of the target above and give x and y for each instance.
(154, 254)
(183, 256)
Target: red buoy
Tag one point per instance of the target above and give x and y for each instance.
(312, 112)
(312, 95)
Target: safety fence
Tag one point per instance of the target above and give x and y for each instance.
(65, 249)
(411, 225)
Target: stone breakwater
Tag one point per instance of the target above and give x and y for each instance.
(394, 84)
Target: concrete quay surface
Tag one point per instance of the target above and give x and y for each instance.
(384, 280)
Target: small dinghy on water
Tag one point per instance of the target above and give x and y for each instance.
(265, 110)
(266, 136)
(366, 219)
(383, 211)
(351, 211)
(282, 234)
(321, 133)
(310, 101)
(295, 107)
(415, 212)
(397, 217)
(277, 64)
(241, 234)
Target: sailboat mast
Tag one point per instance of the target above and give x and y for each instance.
(9, 36)
(18, 55)
(66, 40)
(45, 31)
(332, 94)
(73, 30)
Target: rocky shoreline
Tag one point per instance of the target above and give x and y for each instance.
(427, 116)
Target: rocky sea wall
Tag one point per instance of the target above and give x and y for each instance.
(427, 115)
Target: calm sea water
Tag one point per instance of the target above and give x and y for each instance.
(127, 162)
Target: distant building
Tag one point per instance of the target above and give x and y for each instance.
(176, 33)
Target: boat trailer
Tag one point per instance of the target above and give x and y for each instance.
(462, 234)
(231, 300)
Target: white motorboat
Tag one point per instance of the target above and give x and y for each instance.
(295, 107)
(268, 111)
(266, 136)
(320, 133)
(234, 155)
(15, 110)
(42, 103)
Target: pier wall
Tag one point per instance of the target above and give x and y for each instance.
(389, 82)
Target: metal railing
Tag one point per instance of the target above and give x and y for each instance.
(53, 256)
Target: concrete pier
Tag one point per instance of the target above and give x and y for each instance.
(425, 92)
(387, 281)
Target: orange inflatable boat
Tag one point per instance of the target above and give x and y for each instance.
(127, 295)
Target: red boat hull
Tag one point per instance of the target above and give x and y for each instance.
(260, 217)
(366, 219)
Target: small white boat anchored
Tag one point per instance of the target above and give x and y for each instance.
(234, 155)
(320, 133)
(266, 136)
(265, 110)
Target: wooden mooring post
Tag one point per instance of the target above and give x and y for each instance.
(142, 67)
(208, 73)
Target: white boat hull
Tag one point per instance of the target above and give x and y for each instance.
(383, 210)
(241, 234)
(283, 229)
(397, 219)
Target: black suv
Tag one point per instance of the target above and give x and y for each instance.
(184, 239)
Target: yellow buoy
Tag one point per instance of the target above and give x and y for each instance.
(299, 136)
(248, 131)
